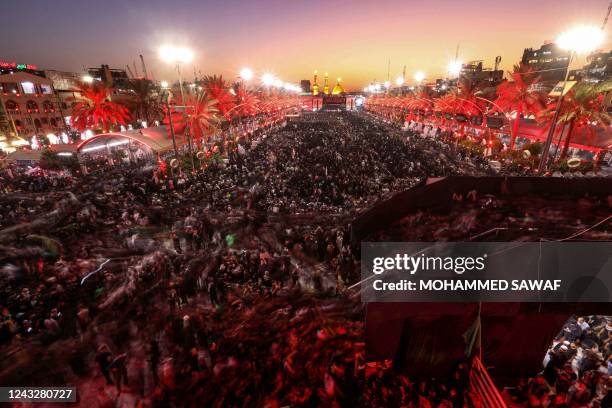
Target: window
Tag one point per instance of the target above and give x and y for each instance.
(28, 87)
(46, 89)
(12, 106)
(9, 87)
(48, 107)
(32, 107)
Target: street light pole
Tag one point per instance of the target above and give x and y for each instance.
(551, 132)
(180, 79)
(187, 130)
(171, 124)
(582, 39)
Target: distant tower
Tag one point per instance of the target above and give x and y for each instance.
(315, 84)
(326, 84)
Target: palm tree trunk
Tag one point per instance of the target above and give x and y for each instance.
(567, 141)
(515, 128)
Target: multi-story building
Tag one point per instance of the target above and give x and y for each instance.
(117, 80)
(30, 108)
(123, 89)
(549, 60)
(66, 85)
(598, 68)
(475, 72)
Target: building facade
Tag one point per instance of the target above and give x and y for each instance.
(476, 73)
(597, 69)
(31, 107)
(549, 60)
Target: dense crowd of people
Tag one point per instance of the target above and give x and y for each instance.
(577, 369)
(221, 287)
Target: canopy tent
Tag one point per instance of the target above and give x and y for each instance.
(155, 138)
(599, 140)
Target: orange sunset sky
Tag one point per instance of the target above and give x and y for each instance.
(351, 39)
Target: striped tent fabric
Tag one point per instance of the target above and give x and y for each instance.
(482, 389)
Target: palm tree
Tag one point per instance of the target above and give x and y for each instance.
(583, 110)
(98, 111)
(247, 103)
(202, 115)
(519, 96)
(467, 95)
(144, 104)
(218, 89)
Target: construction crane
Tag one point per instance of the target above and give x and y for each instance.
(129, 71)
(605, 22)
(144, 67)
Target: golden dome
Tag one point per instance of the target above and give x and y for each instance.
(338, 89)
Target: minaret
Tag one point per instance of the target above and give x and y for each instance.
(315, 85)
(326, 85)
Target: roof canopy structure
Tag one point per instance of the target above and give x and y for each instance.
(155, 138)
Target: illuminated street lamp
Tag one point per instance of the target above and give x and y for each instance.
(164, 84)
(579, 40)
(267, 79)
(419, 76)
(454, 68)
(172, 54)
(176, 55)
(246, 74)
(387, 84)
(399, 81)
(87, 79)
